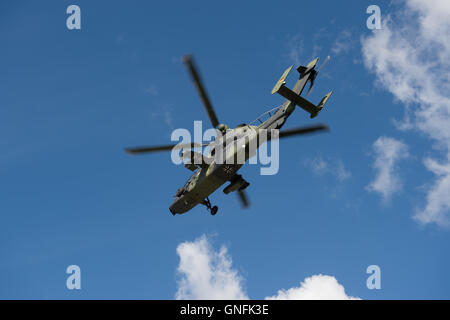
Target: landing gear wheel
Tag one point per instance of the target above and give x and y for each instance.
(207, 204)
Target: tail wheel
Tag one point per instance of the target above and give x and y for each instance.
(214, 210)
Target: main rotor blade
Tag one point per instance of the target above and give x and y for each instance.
(243, 198)
(189, 62)
(139, 150)
(311, 86)
(303, 130)
(324, 63)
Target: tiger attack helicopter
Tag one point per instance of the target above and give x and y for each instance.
(210, 174)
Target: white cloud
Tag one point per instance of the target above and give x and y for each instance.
(318, 287)
(438, 198)
(208, 274)
(387, 153)
(410, 57)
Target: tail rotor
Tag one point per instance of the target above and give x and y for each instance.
(311, 83)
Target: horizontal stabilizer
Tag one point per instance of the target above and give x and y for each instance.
(321, 104)
(302, 102)
(306, 74)
(282, 81)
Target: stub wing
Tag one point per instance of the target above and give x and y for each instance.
(238, 184)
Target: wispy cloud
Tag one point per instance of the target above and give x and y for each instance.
(162, 110)
(295, 49)
(320, 166)
(438, 197)
(151, 90)
(208, 274)
(165, 113)
(388, 151)
(120, 37)
(343, 42)
(168, 119)
(410, 57)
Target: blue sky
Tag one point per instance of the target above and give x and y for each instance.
(71, 100)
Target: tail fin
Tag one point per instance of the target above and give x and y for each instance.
(306, 74)
(321, 104)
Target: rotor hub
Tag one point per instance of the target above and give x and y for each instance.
(223, 128)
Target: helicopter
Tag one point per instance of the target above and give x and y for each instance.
(210, 174)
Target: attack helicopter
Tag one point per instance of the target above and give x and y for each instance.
(210, 174)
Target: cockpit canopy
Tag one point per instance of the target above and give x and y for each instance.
(191, 178)
(266, 115)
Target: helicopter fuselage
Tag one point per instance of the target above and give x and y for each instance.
(208, 179)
